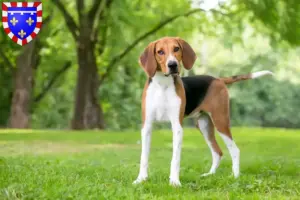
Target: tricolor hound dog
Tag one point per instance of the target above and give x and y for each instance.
(168, 97)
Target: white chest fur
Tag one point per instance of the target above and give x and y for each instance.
(162, 102)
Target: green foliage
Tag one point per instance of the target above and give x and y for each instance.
(5, 93)
(55, 109)
(281, 17)
(102, 165)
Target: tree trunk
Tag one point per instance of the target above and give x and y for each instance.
(87, 110)
(81, 87)
(93, 114)
(23, 84)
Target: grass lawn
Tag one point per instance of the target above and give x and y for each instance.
(102, 165)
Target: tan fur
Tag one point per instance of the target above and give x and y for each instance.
(144, 102)
(233, 79)
(147, 60)
(151, 61)
(188, 56)
(181, 93)
(167, 45)
(216, 102)
(212, 138)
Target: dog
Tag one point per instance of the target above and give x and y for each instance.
(169, 97)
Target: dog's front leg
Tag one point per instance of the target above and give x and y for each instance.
(146, 140)
(175, 163)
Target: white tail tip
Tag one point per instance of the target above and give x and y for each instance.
(261, 73)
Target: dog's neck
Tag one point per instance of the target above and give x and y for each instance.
(162, 80)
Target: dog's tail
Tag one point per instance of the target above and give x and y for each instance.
(254, 75)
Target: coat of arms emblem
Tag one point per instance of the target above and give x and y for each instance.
(22, 21)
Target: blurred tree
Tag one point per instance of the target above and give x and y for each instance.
(23, 80)
(26, 64)
(86, 35)
(23, 66)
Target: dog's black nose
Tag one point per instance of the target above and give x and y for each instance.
(172, 65)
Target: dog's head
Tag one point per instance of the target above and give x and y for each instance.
(165, 55)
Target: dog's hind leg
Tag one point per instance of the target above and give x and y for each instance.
(206, 127)
(221, 120)
(234, 152)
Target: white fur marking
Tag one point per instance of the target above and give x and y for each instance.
(171, 58)
(234, 153)
(162, 102)
(261, 73)
(203, 123)
(175, 163)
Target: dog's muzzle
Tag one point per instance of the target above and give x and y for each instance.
(173, 68)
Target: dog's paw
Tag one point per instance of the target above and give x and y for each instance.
(175, 183)
(207, 174)
(139, 180)
(236, 175)
(236, 172)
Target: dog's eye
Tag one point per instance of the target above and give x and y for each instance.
(161, 52)
(176, 49)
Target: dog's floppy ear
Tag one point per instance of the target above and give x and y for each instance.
(147, 60)
(188, 55)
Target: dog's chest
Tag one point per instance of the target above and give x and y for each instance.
(162, 101)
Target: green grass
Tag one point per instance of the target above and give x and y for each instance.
(102, 165)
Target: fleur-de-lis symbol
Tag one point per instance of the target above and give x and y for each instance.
(29, 21)
(22, 33)
(14, 21)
